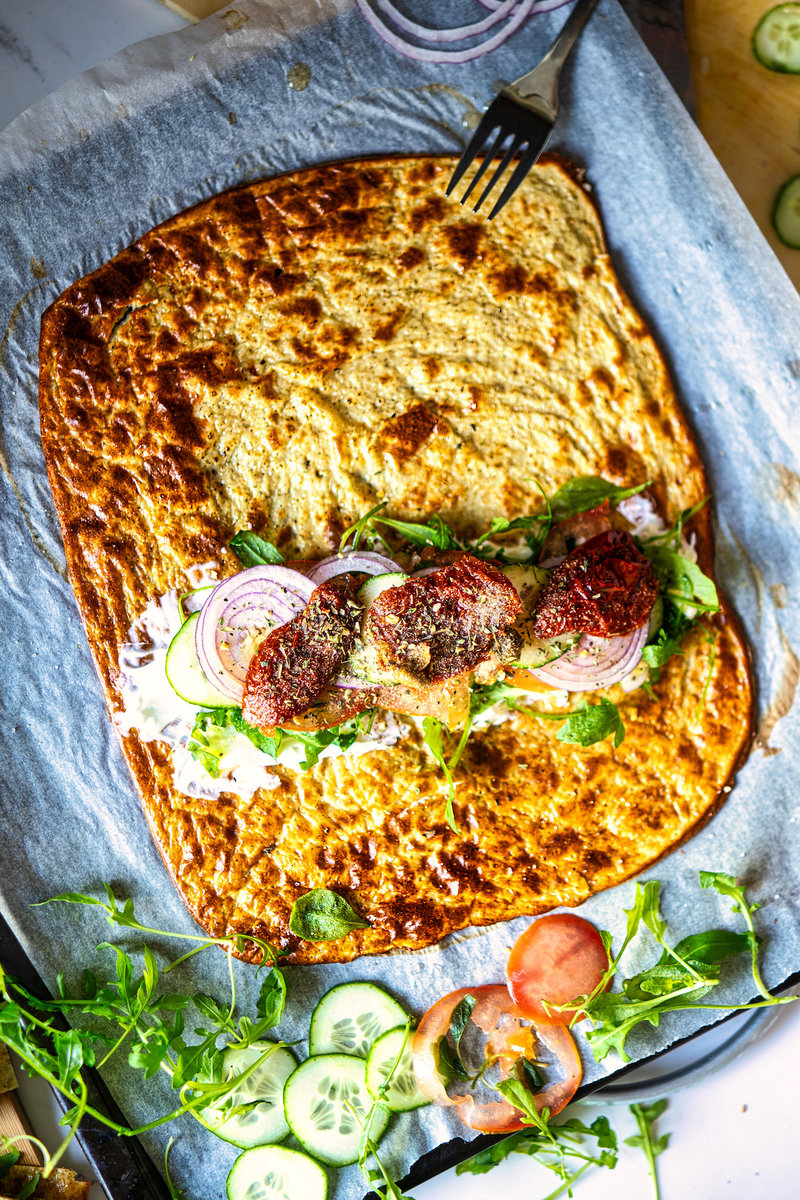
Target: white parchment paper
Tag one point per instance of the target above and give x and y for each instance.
(167, 123)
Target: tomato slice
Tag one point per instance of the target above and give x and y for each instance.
(557, 958)
(496, 1014)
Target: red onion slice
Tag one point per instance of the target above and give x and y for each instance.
(237, 613)
(458, 34)
(595, 662)
(364, 562)
(437, 36)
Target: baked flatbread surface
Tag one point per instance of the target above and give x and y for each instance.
(282, 357)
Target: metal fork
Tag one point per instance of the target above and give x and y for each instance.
(525, 111)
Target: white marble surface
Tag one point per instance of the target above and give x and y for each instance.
(735, 1134)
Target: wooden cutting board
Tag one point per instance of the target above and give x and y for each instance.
(749, 116)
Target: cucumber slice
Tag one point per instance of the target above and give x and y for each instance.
(368, 593)
(776, 39)
(275, 1173)
(326, 1102)
(349, 1017)
(538, 652)
(528, 581)
(184, 673)
(263, 1120)
(402, 1094)
(786, 213)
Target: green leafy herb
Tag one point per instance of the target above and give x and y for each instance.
(129, 1011)
(530, 1074)
(377, 1176)
(566, 1149)
(254, 551)
(681, 978)
(208, 750)
(432, 732)
(30, 1187)
(324, 916)
(508, 525)
(681, 580)
(360, 527)
(450, 1062)
(175, 1192)
(646, 1139)
(8, 1159)
(436, 532)
(586, 492)
(593, 723)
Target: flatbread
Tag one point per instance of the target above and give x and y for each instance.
(283, 356)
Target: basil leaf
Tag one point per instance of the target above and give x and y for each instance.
(593, 723)
(530, 1075)
(448, 1062)
(324, 916)
(30, 1187)
(7, 1161)
(585, 493)
(459, 1019)
(254, 551)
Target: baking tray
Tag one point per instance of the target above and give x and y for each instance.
(703, 277)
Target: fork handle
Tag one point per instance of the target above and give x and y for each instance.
(543, 79)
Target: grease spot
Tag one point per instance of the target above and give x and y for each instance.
(787, 489)
(471, 119)
(232, 118)
(122, 111)
(38, 268)
(779, 593)
(234, 19)
(83, 134)
(299, 76)
(781, 703)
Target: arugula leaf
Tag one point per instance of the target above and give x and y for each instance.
(726, 885)
(359, 527)
(563, 1141)
(586, 492)
(507, 525)
(516, 1093)
(593, 723)
(432, 733)
(254, 551)
(680, 579)
(712, 946)
(646, 1116)
(324, 916)
(436, 532)
(203, 749)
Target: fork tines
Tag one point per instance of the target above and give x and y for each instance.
(529, 134)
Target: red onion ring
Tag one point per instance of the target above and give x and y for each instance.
(595, 662)
(251, 602)
(542, 7)
(364, 562)
(458, 34)
(422, 54)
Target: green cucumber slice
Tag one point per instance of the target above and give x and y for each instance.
(368, 593)
(786, 213)
(275, 1173)
(538, 652)
(776, 39)
(402, 1093)
(349, 1018)
(528, 581)
(184, 673)
(326, 1102)
(262, 1121)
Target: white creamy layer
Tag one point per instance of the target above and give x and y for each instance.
(152, 708)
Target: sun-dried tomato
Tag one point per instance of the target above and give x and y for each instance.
(295, 663)
(605, 587)
(441, 624)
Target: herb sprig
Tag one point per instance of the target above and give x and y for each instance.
(681, 978)
(647, 1139)
(130, 1009)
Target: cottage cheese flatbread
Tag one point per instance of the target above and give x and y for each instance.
(283, 356)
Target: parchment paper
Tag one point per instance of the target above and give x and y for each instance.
(173, 120)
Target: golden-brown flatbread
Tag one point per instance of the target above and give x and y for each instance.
(282, 357)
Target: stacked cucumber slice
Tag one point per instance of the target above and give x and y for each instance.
(358, 1073)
